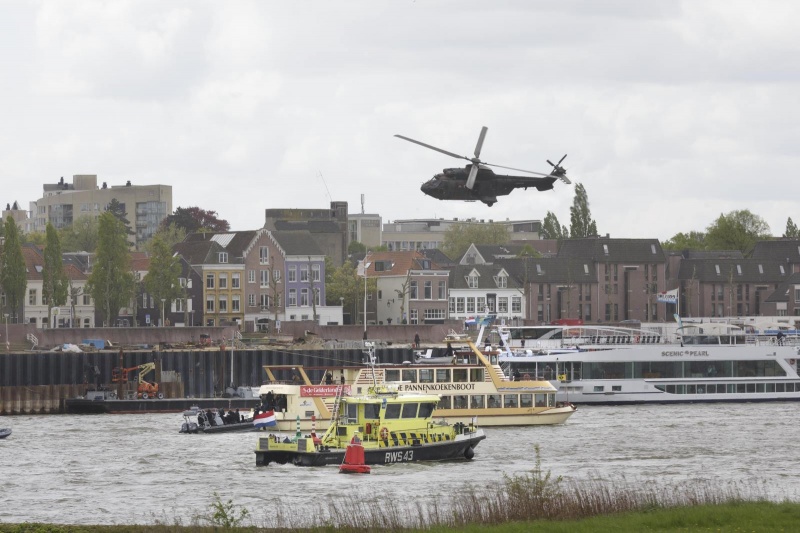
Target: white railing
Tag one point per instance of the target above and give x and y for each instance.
(32, 338)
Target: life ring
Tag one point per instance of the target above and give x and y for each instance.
(384, 433)
(636, 339)
(368, 428)
(526, 377)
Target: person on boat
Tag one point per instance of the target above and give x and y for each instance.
(779, 337)
(295, 376)
(341, 378)
(328, 379)
(270, 401)
(548, 372)
(515, 375)
(449, 352)
(210, 417)
(416, 340)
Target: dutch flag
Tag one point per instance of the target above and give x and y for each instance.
(265, 419)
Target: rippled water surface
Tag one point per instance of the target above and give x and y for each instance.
(120, 469)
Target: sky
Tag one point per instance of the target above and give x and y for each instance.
(671, 112)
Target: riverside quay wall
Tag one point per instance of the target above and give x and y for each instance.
(38, 382)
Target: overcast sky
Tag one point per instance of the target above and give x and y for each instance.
(671, 112)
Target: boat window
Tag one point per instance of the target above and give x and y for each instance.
(425, 375)
(616, 388)
(681, 389)
(372, 410)
(599, 388)
(352, 413)
(445, 402)
(691, 389)
(792, 387)
(476, 401)
(711, 389)
(751, 387)
(770, 387)
(740, 387)
(541, 400)
(392, 411)
(780, 387)
(409, 410)
(669, 389)
(391, 375)
(442, 375)
(701, 389)
(460, 401)
(494, 400)
(759, 387)
(460, 375)
(426, 409)
(510, 400)
(410, 375)
(476, 375)
(526, 400)
(731, 388)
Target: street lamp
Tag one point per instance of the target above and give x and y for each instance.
(162, 311)
(8, 344)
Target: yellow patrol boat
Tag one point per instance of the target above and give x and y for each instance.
(393, 427)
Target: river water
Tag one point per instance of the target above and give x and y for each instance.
(137, 469)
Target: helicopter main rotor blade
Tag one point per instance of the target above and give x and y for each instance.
(518, 169)
(478, 146)
(473, 173)
(445, 152)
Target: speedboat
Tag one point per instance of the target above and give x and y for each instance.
(5, 432)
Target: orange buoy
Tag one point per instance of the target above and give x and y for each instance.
(354, 462)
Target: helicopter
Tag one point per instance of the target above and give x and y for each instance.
(477, 182)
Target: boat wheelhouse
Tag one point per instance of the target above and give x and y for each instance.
(615, 365)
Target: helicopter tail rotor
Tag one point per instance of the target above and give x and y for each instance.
(559, 171)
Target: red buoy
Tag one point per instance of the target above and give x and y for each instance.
(354, 458)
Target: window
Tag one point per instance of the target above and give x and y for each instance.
(264, 301)
(276, 275)
(412, 290)
(223, 304)
(235, 280)
(251, 299)
(179, 305)
(460, 305)
(502, 304)
(263, 255)
(470, 304)
(315, 271)
(516, 304)
(434, 314)
(292, 276)
(251, 276)
(235, 303)
(32, 296)
(429, 290)
(442, 290)
(223, 281)
(472, 281)
(87, 300)
(209, 304)
(292, 299)
(501, 281)
(264, 278)
(304, 273)
(480, 304)
(223, 257)
(209, 281)
(303, 297)
(414, 316)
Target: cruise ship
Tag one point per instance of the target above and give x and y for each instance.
(695, 362)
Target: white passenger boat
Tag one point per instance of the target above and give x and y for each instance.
(471, 385)
(698, 362)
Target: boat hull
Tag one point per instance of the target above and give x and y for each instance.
(461, 448)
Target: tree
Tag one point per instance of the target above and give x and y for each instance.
(81, 236)
(194, 219)
(459, 236)
(34, 237)
(171, 234)
(162, 279)
(738, 230)
(118, 210)
(580, 218)
(355, 247)
(347, 287)
(551, 229)
(694, 240)
(55, 285)
(791, 229)
(13, 273)
(111, 283)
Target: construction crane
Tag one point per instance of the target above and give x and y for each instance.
(144, 389)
